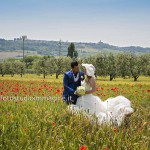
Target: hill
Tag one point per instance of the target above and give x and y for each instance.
(42, 47)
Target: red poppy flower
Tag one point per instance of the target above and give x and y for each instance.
(54, 123)
(106, 148)
(39, 89)
(58, 90)
(115, 130)
(83, 147)
(148, 90)
(114, 89)
(9, 117)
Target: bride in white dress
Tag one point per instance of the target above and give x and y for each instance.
(110, 111)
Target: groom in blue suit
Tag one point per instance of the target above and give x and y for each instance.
(72, 79)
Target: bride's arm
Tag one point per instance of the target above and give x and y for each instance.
(93, 85)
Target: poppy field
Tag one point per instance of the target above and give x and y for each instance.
(33, 116)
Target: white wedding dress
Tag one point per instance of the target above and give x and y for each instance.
(110, 111)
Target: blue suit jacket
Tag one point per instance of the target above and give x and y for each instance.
(70, 86)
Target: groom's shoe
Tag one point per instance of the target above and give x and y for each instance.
(69, 101)
(65, 100)
(73, 102)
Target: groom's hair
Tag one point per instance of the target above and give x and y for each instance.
(73, 64)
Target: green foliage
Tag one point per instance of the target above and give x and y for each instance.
(72, 52)
(28, 60)
(46, 124)
(42, 66)
(20, 67)
(123, 65)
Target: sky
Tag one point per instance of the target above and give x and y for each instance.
(117, 22)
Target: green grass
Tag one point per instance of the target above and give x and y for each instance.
(45, 124)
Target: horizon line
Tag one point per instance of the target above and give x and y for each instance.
(60, 39)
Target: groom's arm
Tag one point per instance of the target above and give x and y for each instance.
(66, 85)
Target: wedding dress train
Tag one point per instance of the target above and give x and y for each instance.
(112, 110)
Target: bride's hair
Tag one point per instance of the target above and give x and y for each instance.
(89, 77)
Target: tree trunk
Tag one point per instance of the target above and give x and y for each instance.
(21, 75)
(44, 75)
(111, 77)
(57, 74)
(135, 78)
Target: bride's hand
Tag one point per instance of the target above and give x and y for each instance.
(86, 92)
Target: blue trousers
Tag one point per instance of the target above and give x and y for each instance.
(70, 99)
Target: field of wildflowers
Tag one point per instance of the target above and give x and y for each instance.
(34, 117)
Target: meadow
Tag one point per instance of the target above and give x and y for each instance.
(33, 116)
